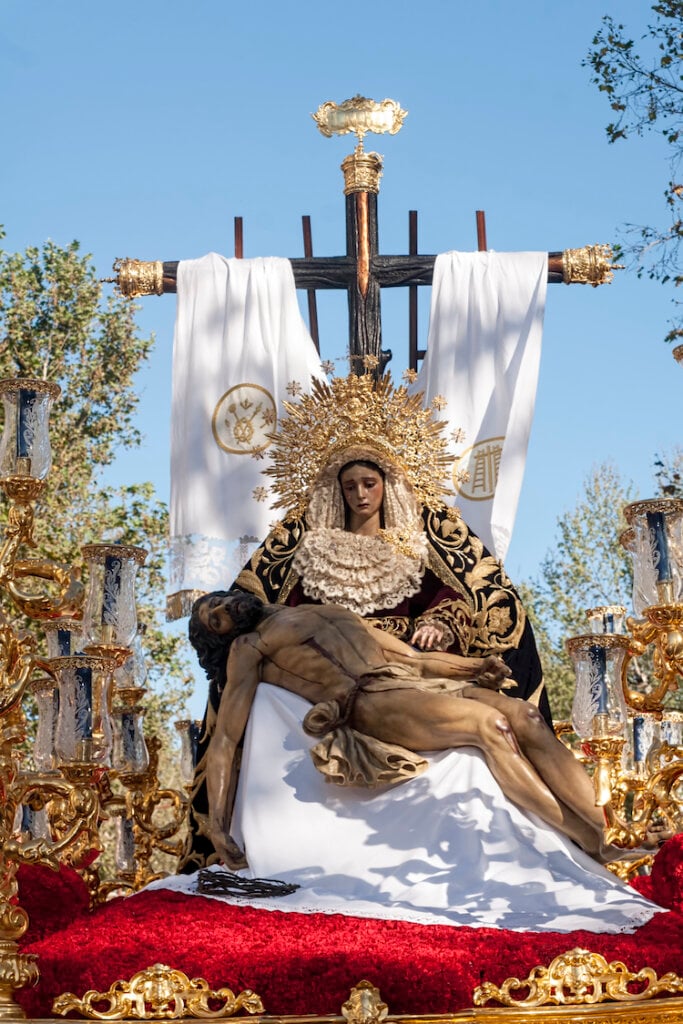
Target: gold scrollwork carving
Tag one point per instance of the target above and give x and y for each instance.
(579, 977)
(159, 993)
(140, 801)
(662, 627)
(16, 665)
(139, 277)
(73, 810)
(362, 172)
(591, 264)
(360, 115)
(17, 970)
(364, 1005)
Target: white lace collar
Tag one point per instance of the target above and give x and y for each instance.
(363, 574)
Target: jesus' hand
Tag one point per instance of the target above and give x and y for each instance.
(494, 674)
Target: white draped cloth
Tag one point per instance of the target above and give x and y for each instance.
(444, 848)
(483, 356)
(240, 341)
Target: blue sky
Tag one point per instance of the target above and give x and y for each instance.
(142, 129)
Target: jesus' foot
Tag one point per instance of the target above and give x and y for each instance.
(655, 837)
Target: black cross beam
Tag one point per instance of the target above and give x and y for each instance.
(362, 272)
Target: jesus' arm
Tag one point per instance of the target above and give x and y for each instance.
(490, 672)
(243, 676)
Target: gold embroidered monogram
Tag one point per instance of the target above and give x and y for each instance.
(475, 472)
(244, 419)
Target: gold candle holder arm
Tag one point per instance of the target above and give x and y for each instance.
(20, 521)
(662, 629)
(68, 601)
(16, 665)
(22, 492)
(139, 803)
(151, 796)
(73, 812)
(650, 796)
(628, 834)
(149, 802)
(665, 767)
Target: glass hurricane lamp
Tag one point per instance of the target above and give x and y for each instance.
(84, 722)
(599, 707)
(110, 617)
(657, 549)
(25, 452)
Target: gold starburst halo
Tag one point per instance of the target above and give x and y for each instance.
(358, 412)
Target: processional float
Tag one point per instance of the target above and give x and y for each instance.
(90, 760)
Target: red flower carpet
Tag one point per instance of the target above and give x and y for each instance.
(307, 963)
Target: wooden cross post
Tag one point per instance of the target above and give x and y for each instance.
(363, 271)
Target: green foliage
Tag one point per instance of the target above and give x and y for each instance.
(56, 325)
(669, 474)
(644, 87)
(587, 568)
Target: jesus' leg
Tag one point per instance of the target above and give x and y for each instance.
(563, 773)
(435, 721)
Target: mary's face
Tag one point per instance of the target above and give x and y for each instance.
(363, 490)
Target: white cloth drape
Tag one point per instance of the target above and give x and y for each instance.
(483, 355)
(443, 848)
(239, 342)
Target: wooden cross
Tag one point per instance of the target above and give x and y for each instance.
(362, 272)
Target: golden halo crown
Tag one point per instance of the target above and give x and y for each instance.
(358, 412)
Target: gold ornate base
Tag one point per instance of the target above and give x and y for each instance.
(578, 986)
(668, 1011)
(16, 971)
(160, 993)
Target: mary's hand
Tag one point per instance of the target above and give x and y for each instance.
(428, 637)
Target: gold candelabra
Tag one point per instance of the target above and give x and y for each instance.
(90, 758)
(140, 834)
(633, 740)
